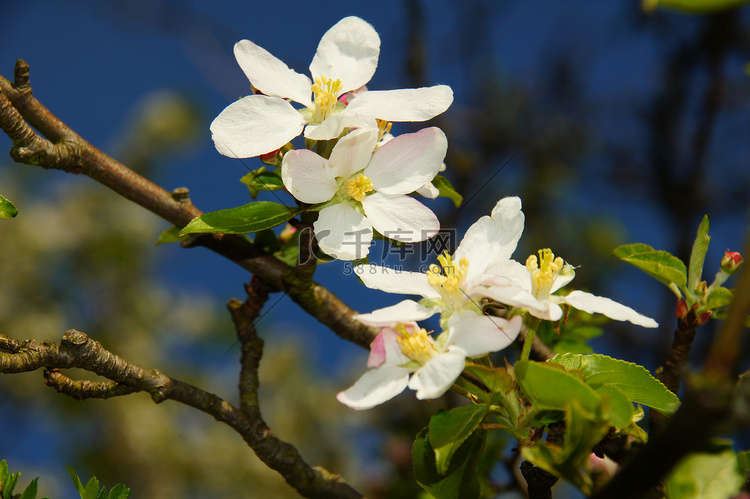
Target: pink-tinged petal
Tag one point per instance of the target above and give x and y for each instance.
(492, 239)
(408, 104)
(517, 297)
(407, 162)
(402, 218)
(395, 281)
(308, 177)
(334, 125)
(375, 387)
(479, 335)
(600, 305)
(255, 125)
(352, 153)
(343, 232)
(348, 52)
(435, 377)
(385, 349)
(405, 311)
(270, 75)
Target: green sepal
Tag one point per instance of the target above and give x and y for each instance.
(251, 217)
(461, 481)
(698, 255)
(7, 208)
(659, 264)
(171, 235)
(635, 381)
(262, 180)
(446, 190)
(449, 429)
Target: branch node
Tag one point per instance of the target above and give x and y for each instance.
(21, 77)
(181, 195)
(74, 338)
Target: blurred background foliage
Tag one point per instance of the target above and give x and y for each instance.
(613, 126)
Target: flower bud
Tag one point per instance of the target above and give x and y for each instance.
(682, 309)
(287, 234)
(731, 262)
(272, 158)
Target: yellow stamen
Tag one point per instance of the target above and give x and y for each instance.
(358, 187)
(384, 127)
(326, 92)
(544, 272)
(417, 345)
(448, 281)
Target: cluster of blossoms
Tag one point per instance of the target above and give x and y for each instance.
(359, 178)
(363, 182)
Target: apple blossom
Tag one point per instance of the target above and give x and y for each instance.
(346, 59)
(455, 287)
(362, 190)
(407, 356)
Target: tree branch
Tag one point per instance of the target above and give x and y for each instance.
(77, 350)
(65, 150)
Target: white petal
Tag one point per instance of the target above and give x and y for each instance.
(402, 218)
(408, 104)
(255, 125)
(307, 176)
(343, 232)
(492, 239)
(507, 273)
(428, 190)
(435, 377)
(407, 162)
(600, 305)
(270, 75)
(519, 297)
(352, 153)
(563, 279)
(348, 52)
(395, 281)
(334, 125)
(385, 349)
(405, 311)
(479, 335)
(375, 387)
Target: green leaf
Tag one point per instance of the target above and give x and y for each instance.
(635, 381)
(9, 484)
(701, 476)
(496, 379)
(119, 491)
(449, 429)
(719, 297)
(446, 190)
(251, 217)
(7, 208)
(262, 180)
(76, 480)
(551, 387)
(698, 255)
(31, 490)
(743, 461)
(91, 491)
(693, 6)
(658, 264)
(621, 408)
(171, 235)
(461, 480)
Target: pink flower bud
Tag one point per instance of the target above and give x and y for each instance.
(731, 262)
(682, 309)
(287, 234)
(272, 158)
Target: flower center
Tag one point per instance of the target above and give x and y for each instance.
(544, 272)
(449, 280)
(325, 92)
(416, 344)
(357, 187)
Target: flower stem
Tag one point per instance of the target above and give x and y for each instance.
(531, 324)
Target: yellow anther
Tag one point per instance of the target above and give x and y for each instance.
(416, 344)
(448, 280)
(326, 92)
(358, 187)
(384, 127)
(544, 272)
